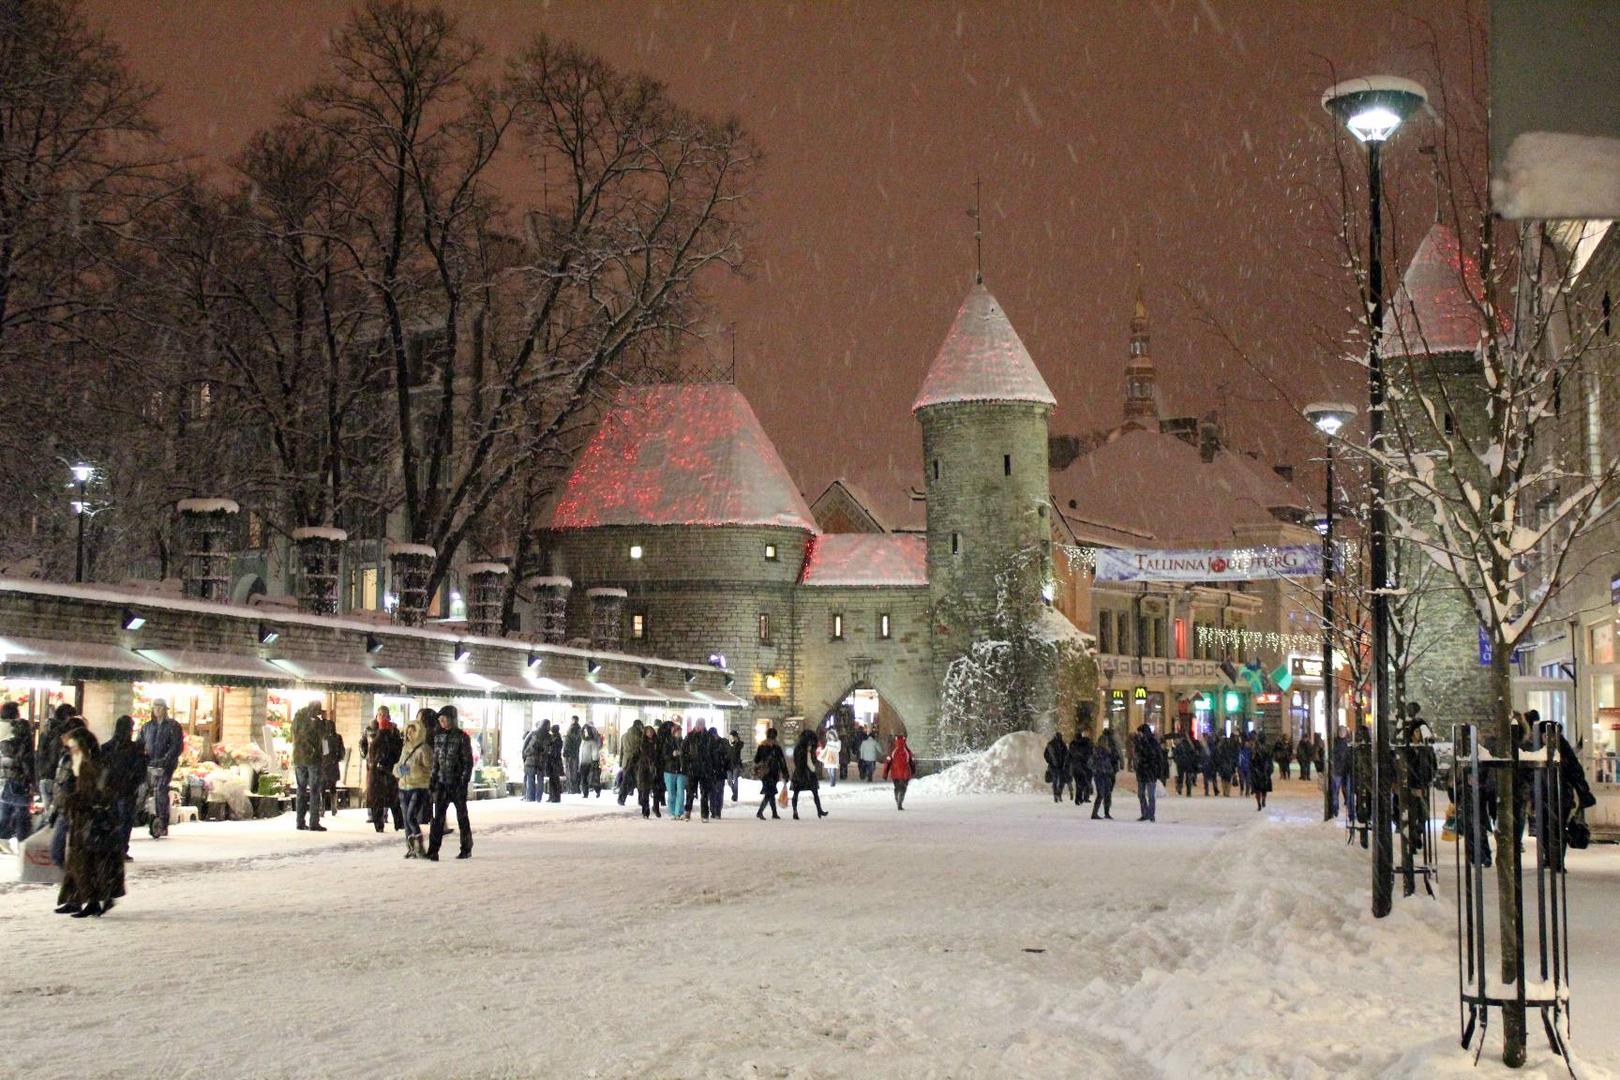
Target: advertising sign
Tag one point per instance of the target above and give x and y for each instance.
(1210, 564)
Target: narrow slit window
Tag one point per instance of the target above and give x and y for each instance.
(936, 468)
(1006, 464)
(638, 626)
(838, 627)
(956, 543)
(884, 626)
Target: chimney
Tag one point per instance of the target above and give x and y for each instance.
(205, 525)
(486, 594)
(410, 566)
(320, 554)
(551, 601)
(607, 617)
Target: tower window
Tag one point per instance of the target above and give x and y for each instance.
(635, 551)
(956, 543)
(1006, 464)
(770, 552)
(638, 626)
(884, 626)
(838, 626)
(936, 468)
(1608, 310)
(764, 628)
(1451, 424)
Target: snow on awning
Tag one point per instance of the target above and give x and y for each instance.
(22, 657)
(456, 682)
(214, 667)
(722, 698)
(332, 674)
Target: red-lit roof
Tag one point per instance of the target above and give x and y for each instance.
(680, 455)
(867, 559)
(982, 359)
(1435, 309)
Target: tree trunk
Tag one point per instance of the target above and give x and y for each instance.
(1508, 882)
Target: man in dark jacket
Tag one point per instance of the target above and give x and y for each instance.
(1057, 765)
(163, 741)
(695, 764)
(123, 771)
(570, 755)
(1186, 756)
(449, 780)
(734, 766)
(1104, 764)
(1149, 758)
(646, 774)
(1080, 766)
(17, 776)
(554, 766)
(770, 766)
(308, 754)
(1226, 758)
(332, 766)
(534, 762)
(719, 751)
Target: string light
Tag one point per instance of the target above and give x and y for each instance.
(1233, 639)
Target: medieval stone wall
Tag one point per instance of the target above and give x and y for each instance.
(900, 667)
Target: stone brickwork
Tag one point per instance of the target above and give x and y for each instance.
(900, 668)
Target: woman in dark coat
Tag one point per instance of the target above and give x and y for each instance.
(1260, 772)
(93, 878)
(123, 768)
(649, 774)
(804, 772)
(382, 786)
(770, 766)
(554, 767)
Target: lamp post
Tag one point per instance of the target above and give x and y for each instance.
(1328, 417)
(1372, 107)
(81, 477)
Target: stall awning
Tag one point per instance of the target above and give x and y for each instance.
(214, 667)
(633, 693)
(521, 685)
(723, 698)
(336, 674)
(441, 679)
(684, 697)
(571, 688)
(26, 657)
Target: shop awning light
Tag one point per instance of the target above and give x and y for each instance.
(268, 634)
(592, 666)
(462, 652)
(374, 644)
(132, 621)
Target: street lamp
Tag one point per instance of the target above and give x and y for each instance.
(1372, 107)
(81, 477)
(1328, 417)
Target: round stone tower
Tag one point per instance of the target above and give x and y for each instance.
(983, 408)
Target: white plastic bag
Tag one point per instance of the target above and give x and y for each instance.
(34, 860)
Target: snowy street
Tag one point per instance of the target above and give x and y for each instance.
(972, 935)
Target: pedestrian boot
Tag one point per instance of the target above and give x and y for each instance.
(91, 910)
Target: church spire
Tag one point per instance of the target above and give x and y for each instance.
(1141, 380)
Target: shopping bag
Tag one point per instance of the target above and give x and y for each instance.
(35, 866)
(1448, 832)
(782, 799)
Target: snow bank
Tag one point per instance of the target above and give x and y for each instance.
(1015, 765)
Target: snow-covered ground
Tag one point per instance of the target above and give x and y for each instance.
(975, 934)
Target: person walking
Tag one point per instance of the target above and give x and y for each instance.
(719, 751)
(63, 788)
(1104, 766)
(93, 875)
(163, 740)
(1080, 765)
(805, 768)
(1057, 764)
(571, 754)
(629, 749)
(414, 772)
(674, 764)
(534, 757)
(449, 780)
(649, 772)
(1283, 755)
(50, 752)
(17, 778)
(1245, 757)
(553, 767)
(123, 767)
(1260, 763)
(1340, 767)
(1226, 763)
(695, 766)
(382, 786)
(332, 762)
(898, 768)
(869, 753)
(770, 768)
(1149, 758)
(734, 770)
(1303, 754)
(309, 753)
(831, 750)
(1206, 765)
(590, 761)
(1186, 758)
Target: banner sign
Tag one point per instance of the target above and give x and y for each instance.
(1210, 564)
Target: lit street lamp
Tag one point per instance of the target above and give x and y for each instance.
(1328, 417)
(81, 476)
(1372, 108)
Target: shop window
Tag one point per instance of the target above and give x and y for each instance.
(770, 552)
(1122, 627)
(1105, 632)
(764, 628)
(638, 626)
(838, 626)
(884, 626)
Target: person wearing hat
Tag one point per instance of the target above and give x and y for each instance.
(163, 741)
(16, 776)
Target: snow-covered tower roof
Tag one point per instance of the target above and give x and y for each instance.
(1435, 309)
(680, 455)
(982, 359)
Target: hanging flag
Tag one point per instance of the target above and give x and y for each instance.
(1282, 678)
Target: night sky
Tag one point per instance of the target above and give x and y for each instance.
(1186, 136)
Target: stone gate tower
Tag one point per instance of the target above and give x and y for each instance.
(983, 407)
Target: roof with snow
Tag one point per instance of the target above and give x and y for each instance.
(982, 359)
(867, 559)
(680, 455)
(884, 498)
(1192, 501)
(1434, 310)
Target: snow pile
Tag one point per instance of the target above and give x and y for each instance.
(1014, 765)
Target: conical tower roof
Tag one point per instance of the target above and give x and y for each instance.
(982, 359)
(680, 455)
(1435, 309)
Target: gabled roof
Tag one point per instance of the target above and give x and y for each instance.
(1434, 309)
(680, 455)
(866, 559)
(982, 359)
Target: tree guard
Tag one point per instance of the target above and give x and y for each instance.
(205, 526)
(607, 617)
(320, 555)
(411, 566)
(551, 605)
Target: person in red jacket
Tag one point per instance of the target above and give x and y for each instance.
(899, 767)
